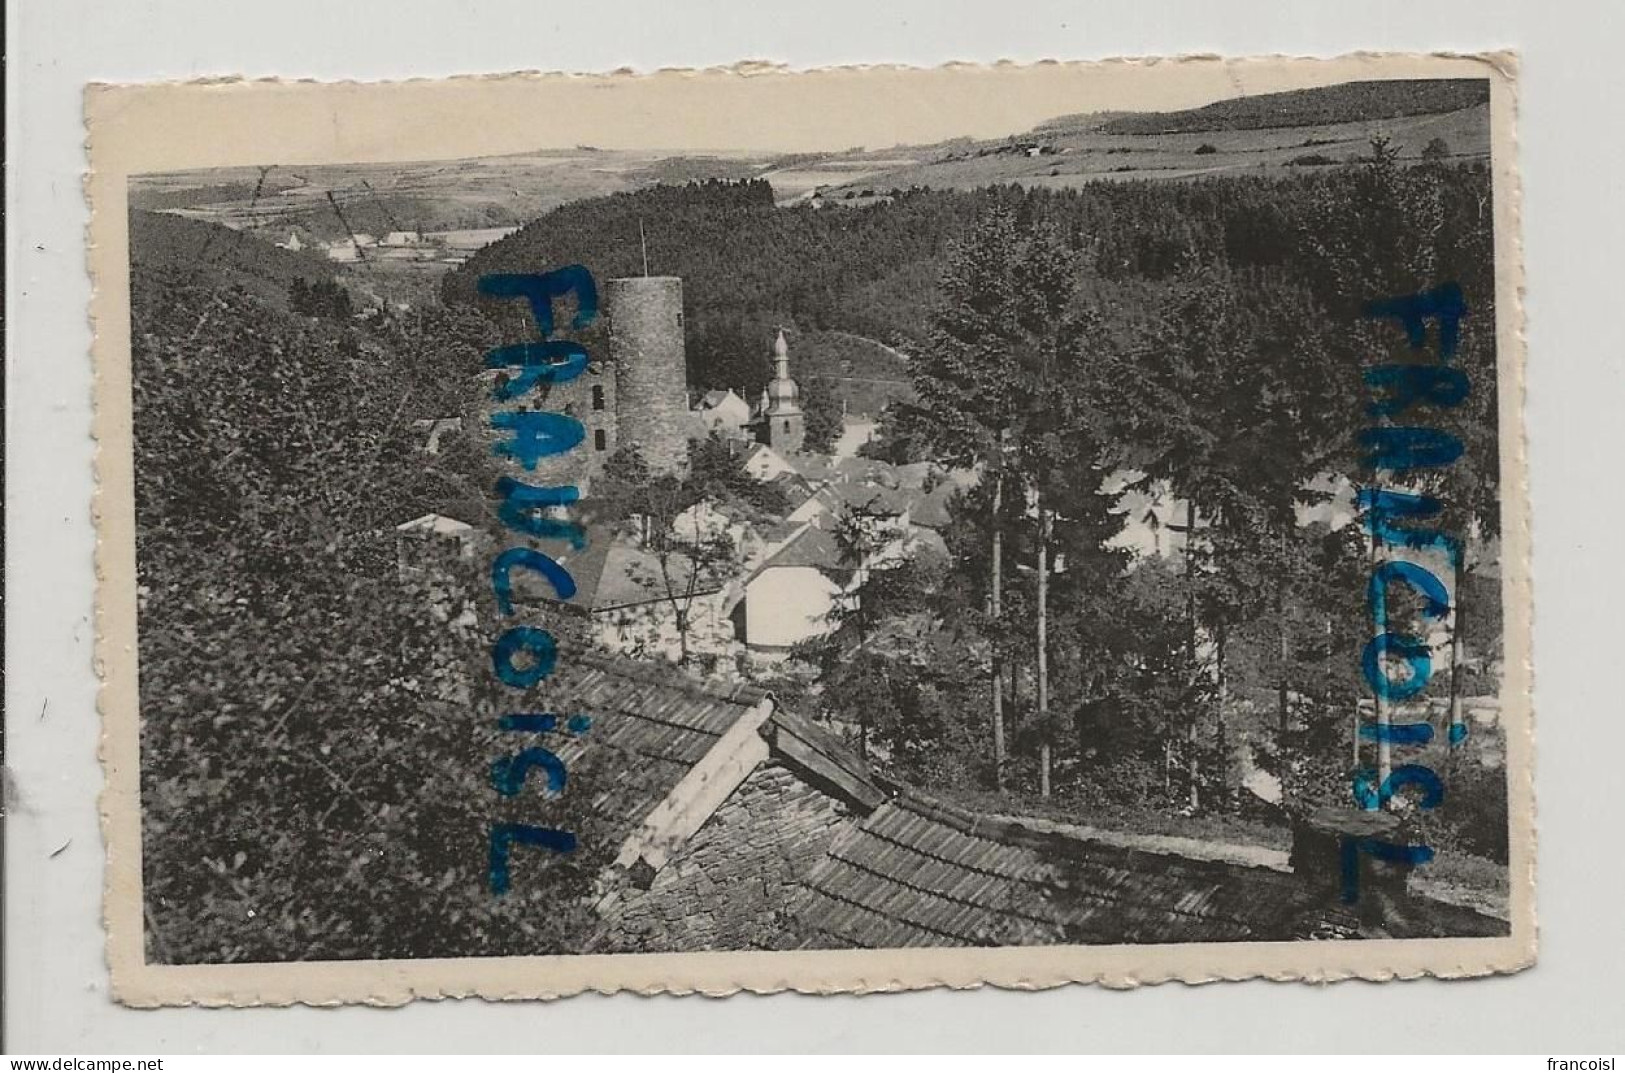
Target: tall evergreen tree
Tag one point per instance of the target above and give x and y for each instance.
(999, 388)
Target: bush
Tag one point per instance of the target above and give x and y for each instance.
(1474, 812)
(317, 729)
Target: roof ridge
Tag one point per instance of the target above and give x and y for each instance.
(1012, 831)
(799, 740)
(743, 694)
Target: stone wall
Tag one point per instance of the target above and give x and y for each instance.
(590, 398)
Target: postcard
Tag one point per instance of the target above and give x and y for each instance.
(842, 530)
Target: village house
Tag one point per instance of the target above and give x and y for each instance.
(916, 495)
(723, 413)
(627, 602)
(1155, 521)
(349, 248)
(765, 464)
(776, 422)
(433, 541)
(789, 598)
(791, 594)
(798, 577)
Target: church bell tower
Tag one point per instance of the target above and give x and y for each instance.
(786, 424)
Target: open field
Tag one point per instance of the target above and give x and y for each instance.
(462, 195)
(1075, 154)
(325, 203)
(458, 207)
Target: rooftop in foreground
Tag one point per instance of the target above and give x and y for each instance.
(780, 837)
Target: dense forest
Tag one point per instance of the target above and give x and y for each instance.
(876, 270)
(301, 704)
(1348, 102)
(1206, 334)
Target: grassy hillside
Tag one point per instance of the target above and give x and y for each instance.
(1072, 152)
(427, 195)
(1263, 133)
(865, 374)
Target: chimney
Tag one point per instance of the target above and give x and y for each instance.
(1336, 851)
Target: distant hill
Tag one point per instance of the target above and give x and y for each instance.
(1267, 133)
(749, 268)
(164, 241)
(1080, 121)
(1272, 134)
(1348, 102)
(451, 195)
(688, 169)
(158, 198)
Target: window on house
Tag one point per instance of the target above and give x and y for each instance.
(599, 439)
(787, 426)
(597, 397)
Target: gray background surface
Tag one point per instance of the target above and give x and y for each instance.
(1571, 133)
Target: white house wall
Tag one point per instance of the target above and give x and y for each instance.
(729, 415)
(785, 605)
(1164, 537)
(647, 631)
(764, 464)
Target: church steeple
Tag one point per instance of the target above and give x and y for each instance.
(785, 421)
(783, 395)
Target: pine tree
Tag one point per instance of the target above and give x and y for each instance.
(999, 388)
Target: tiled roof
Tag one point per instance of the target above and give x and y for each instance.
(585, 564)
(812, 850)
(811, 547)
(930, 509)
(611, 570)
(438, 524)
(632, 576)
(868, 471)
(796, 488)
(861, 494)
(733, 882)
(651, 723)
(776, 531)
(916, 873)
(814, 467)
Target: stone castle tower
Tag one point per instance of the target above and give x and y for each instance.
(785, 424)
(637, 396)
(645, 316)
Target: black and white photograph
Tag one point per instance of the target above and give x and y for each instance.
(1086, 532)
